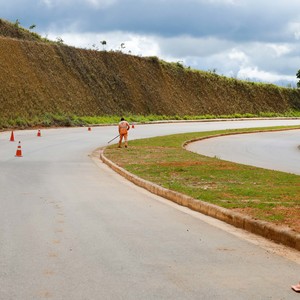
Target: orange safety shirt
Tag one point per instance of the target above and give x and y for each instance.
(123, 127)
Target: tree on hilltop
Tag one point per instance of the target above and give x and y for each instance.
(298, 76)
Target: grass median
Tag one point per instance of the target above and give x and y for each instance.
(263, 194)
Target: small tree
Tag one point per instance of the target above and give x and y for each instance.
(213, 71)
(59, 40)
(298, 76)
(103, 43)
(17, 23)
(32, 26)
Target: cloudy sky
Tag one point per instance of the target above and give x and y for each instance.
(248, 39)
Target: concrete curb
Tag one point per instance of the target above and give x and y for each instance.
(278, 234)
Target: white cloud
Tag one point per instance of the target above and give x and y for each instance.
(191, 46)
(101, 3)
(238, 56)
(279, 49)
(55, 3)
(257, 74)
(94, 3)
(231, 2)
(48, 3)
(294, 29)
(142, 45)
(225, 1)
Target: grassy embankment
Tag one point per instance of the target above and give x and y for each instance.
(44, 83)
(263, 194)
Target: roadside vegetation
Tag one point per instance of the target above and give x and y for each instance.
(65, 120)
(263, 194)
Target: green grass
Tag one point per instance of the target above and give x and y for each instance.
(68, 120)
(163, 160)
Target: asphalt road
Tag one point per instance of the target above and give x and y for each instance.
(70, 228)
(270, 150)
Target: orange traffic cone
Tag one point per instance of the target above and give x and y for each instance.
(12, 137)
(89, 129)
(39, 133)
(19, 151)
(132, 126)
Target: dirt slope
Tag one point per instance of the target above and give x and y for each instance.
(38, 78)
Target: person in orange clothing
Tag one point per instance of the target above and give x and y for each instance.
(123, 131)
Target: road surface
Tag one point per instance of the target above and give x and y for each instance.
(270, 150)
(70, 228)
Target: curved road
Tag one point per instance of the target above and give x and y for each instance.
(70, 228)
(270, 150)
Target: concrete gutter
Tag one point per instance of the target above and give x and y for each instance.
(278, 234)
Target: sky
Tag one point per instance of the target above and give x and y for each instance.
(255, 40)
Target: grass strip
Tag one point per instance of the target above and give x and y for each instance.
(70, 120)
(264, 194)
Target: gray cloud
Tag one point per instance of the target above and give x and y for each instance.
(244, 20)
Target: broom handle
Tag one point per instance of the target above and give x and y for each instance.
(113, 139)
